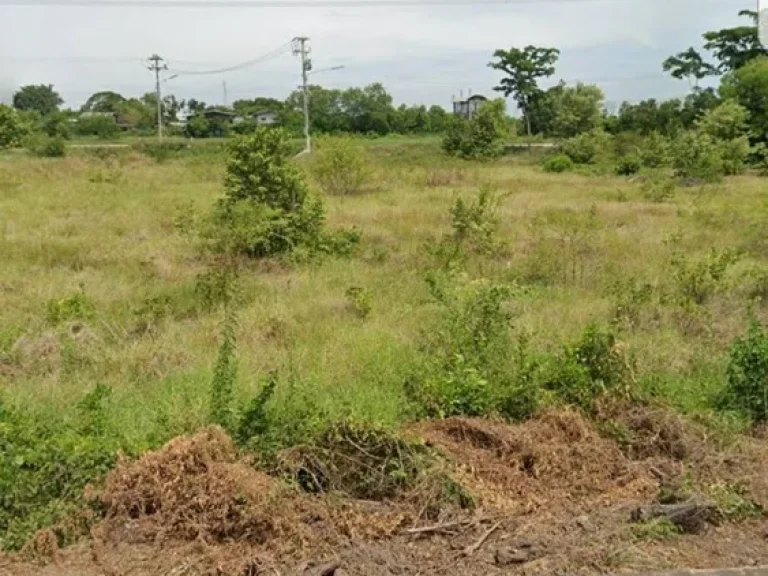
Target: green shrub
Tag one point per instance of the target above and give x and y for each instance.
(557, 164)
(340, 165)
(746, 387)
(628, 165)
(734, 154)
(476, 223)
(696, 281)
(267, 209)
(697, 156)
(12, 128)
(728, 121)
(659, 188)
(596, 365)
(225, 375)
(655, 151)
(588, 148)
(45, 147)
(102, 126)
(161, 151)
(481, 137)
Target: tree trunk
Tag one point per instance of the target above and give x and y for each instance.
(528, 124)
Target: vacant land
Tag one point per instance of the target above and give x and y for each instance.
(110, 325)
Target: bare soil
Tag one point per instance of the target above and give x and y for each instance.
(553, 496)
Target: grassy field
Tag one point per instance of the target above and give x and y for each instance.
(98, 287)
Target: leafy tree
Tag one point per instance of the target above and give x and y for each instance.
(690, 65)
(749, 87)
(726, 122)
(438, 119)
(482, 136)
(198, 127)
(735, 47)
(196, 106)
(250, 107)
(104, 102)
(135, 114)
(576, 110)
(42, 98)
(12, 128)
(100, 125)
(57, 125)
(650, 116)
(523, 69)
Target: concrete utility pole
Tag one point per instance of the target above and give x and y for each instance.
(154, 64)
(300, 48)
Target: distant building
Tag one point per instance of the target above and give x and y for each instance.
(266, 118)
(469, 107)
(219, 114)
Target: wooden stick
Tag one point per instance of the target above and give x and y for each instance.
(469, 550)
(438, 527)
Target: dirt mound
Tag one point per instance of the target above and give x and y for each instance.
(193, 487)
(557, 457)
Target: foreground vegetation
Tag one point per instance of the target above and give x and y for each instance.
(427, 287)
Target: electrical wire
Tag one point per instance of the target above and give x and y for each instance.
(279, 51)
(285, 3)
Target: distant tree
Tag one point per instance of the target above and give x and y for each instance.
(482, 136)
(195, 106)
(42, 98)
(198, 127)
(136, 115)
(103, 102)
(576, 109)
(438, 119)
(249, 107)
(749, 87)
(735, 47)
(689, 64)
(523, 69)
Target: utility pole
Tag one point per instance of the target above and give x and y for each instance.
(224, 85)
(154, 64)
(300, 48)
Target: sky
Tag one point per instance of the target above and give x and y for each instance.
(422, 54)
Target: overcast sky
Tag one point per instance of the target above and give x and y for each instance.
(421, 54)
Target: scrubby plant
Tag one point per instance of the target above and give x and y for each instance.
(340, 165)
(12, 128)
(78, 306)
(696, 281)
(658, 188)
(746, 387)
(557, 164)
(45, 146)
(360, 300)
(597, 364)
(734, 153)
(588, 148)
(476, 223)
(225, 374)
(655, 151)
(482, 136)
(628, 165)
(697, 156)
(267, 208)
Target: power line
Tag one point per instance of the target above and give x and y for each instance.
(263, 58)
(287, 3)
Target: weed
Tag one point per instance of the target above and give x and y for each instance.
(475, 224)
(656, 529)
(225, 374)
(360, 300)
(630, 297)
(696, 281)
(658, 188)
(733, 503)
(254, 420)
(217, 287)
(78, 306)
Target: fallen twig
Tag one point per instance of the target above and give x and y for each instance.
(438, 527)
(472, 548)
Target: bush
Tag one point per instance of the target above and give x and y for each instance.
(628, 165)
(747, 374)
(654, 151)
(267, 209)
(45, 147)
(78, 306)
(734, 154)
(659, 188)
(12, 128)
(340, 165)
(596, 365)
(476, 224)
(481, 137)
(697, 156)
(103, 127)
(558, 164)
(588, 148)
(728, 121)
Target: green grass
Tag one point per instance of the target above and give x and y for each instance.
(104, 228)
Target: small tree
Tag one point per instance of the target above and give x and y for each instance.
(726, 122)
(42, 98)
(749, 87)
(340, 165)
(690, 65)
(524, 68)
(747, 374)
(266, 209)
(577, 109)
(12, 129)
(481, 137)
